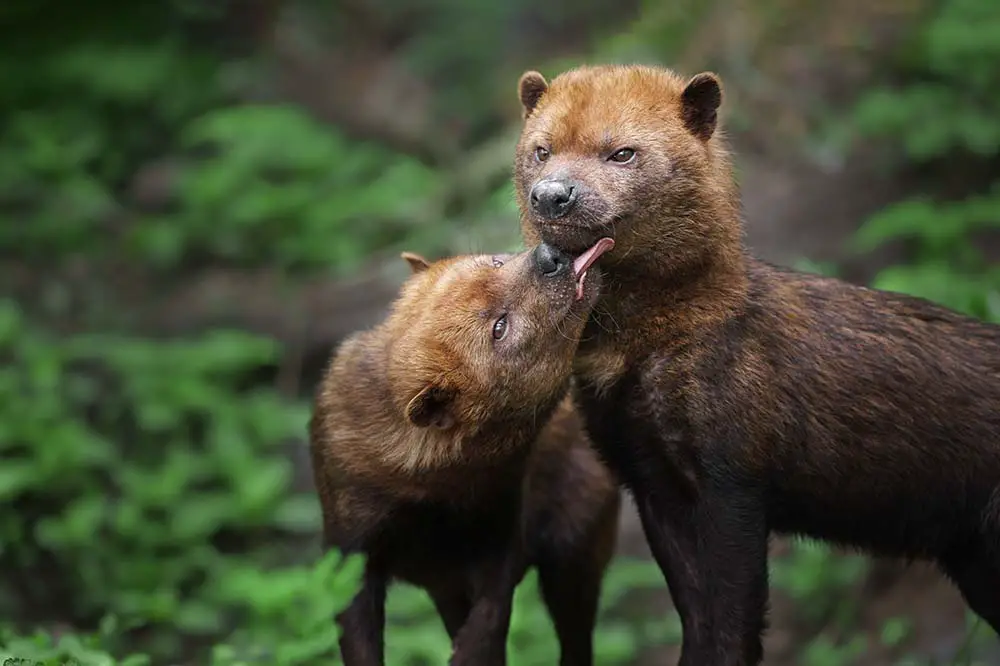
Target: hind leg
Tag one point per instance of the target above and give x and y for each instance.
(977, 575)
(362, 623)
(453, 605)
(482, 640)
(571, 589)
(572, 596)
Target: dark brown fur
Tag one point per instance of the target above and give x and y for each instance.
(735, 398)
(454, 461)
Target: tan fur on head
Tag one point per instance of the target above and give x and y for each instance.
(676, 200)
(643, 150)
(470, 341)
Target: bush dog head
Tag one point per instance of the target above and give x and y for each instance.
(480, 338)
(471, 361)
(630, 153)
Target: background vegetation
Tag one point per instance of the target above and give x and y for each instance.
(198, 198)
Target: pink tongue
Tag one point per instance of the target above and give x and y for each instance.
(586, 260)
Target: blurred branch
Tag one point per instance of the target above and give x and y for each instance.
(309, 315)
(476, 175)
(367, 18)
(363, 88)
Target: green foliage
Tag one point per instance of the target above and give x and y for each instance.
(948, 103)
(97, 99)
(823, 652)
(817, 578)
(286, 621)
(287, 613)
(145, 449)
(278, 185)
(243, 184)
(820, 582)
(658, 34)
(944, 106)
(948, 267)
(895, 631)
(72, 649)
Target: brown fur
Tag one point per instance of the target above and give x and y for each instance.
(735, 398)
(454, 461)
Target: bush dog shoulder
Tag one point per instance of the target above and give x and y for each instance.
(446, 449)
(736, 398)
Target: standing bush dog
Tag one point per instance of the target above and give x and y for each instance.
(445, 448)
(735, 398)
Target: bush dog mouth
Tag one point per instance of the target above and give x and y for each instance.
(586, 260)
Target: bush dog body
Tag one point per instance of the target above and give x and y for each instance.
(735, 398)
(434, 454)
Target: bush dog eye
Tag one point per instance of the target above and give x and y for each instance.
(500, 328)
(623, 156)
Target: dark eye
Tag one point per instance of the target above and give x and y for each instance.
(500, 328)
(623, 156)
(497, 262)
(541, 154)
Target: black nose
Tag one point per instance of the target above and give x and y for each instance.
(551, 261)
(553, 198)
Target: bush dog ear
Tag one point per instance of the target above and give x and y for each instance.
(530, 89)
(700, 104)
(432, 407)
(416, 262)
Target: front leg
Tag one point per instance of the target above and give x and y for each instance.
(482, 641)
(362, 624)
(712, 549)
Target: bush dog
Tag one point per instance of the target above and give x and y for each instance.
(735, 398)
(446, 449)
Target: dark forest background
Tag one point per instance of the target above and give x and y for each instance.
(199, 199)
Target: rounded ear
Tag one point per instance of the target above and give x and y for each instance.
(530, 89)
(432, 407)
(700, 103)
(416, 262)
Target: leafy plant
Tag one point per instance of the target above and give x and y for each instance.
(134, 468)
(817, 578)
(943, 110)
(286, 618)
(279, 186)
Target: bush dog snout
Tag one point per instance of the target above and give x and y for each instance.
(553, 262)
(553, 198)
